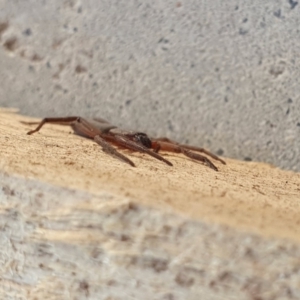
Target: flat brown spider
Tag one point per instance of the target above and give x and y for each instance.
(103, 132)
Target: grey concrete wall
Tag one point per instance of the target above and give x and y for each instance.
(219, 74)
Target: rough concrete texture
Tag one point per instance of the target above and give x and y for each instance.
(220, 74)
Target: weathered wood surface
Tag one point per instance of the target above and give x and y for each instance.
(79, 224)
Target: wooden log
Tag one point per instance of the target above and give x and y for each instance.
(79, 224)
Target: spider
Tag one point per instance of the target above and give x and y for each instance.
(104, 133)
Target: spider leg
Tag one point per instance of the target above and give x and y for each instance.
(127, 143)
(61, 121)
(193, 148)
(107, 148)
(172, 147)
(80, 126)
(199, 157)
(84, 128)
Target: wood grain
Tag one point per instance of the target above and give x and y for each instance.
(93, 207)
(250, 195)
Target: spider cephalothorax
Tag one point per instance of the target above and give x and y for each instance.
(143, 139)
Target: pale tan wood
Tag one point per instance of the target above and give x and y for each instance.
(247, 195)
(243, 200)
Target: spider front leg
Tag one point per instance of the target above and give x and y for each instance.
(107, 148)
(162, 144)
(125, 142)
(193, 148)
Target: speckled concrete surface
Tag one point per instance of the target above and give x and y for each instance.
(221, 74)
